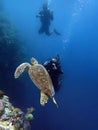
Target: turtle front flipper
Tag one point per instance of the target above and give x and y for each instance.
(20, 69)
(43, 98)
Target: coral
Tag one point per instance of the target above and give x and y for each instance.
(29, 115)
(30, 110)
(1, 106)
(13, 118)
(11, 51)
(1, 94)
(16, 110)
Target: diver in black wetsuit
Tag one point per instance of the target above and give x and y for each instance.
(54, 69)
(46, 16)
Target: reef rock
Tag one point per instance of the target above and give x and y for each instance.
(13, 118)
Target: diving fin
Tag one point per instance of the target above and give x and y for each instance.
(56, 32)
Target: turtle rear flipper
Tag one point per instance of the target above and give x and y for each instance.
(43, 99)
(55, 101)
(20, 69)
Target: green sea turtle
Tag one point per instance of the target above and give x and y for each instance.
(40, 78)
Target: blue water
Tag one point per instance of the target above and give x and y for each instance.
(77, 21)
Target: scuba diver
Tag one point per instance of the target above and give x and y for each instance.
(46, 16)
(54, 69)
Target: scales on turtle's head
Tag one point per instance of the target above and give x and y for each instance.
(34, 61)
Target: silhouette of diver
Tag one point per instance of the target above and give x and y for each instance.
(46, 16)
(54, 69)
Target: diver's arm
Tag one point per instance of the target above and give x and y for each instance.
(51, 15)
(39, 14)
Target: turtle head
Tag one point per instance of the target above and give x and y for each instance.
(34, 61)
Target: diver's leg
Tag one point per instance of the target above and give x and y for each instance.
(41, 30)
(52, 31)
(48, 32)
(56, 32)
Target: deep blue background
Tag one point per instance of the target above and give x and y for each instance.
(77, 20)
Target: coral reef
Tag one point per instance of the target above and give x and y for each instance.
(13, 118)
(11, 49)
(11, 54)
(10, 46)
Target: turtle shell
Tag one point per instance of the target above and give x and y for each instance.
(41, 79)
